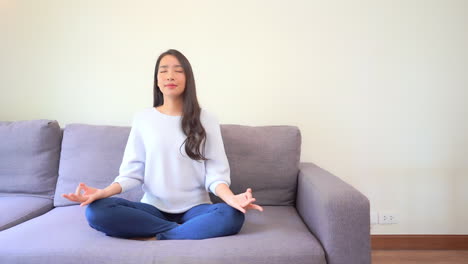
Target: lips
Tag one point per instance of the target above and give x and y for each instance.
(171, 85)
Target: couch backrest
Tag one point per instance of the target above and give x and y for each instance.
(29, 157)
(91, 154)
(265, 159)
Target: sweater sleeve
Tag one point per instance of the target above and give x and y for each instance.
(217, 166)
(132, 169)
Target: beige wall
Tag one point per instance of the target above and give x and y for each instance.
(378, 88)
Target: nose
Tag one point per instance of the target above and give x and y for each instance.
(169, 76)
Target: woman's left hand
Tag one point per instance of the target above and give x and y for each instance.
(244, 201)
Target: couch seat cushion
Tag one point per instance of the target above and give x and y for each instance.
(17, 209)
(62, 235)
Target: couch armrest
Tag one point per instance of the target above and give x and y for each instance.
(336, 213)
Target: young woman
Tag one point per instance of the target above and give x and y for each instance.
(176, 153)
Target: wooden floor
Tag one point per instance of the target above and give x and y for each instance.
(419, 256)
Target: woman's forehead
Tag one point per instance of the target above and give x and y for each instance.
(169, 60)
(169, 65)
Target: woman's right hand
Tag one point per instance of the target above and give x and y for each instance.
(89, 195)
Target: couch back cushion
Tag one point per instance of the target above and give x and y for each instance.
(29, 157)
(265, 159)
(91, 154)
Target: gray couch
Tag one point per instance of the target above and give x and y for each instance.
(310, 215)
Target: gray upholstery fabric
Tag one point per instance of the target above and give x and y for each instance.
(336, 213)
(278, 235)
(264, 158)
(29, 152)
(91, 154)
(18, 209)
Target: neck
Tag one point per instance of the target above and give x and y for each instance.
(172, 106)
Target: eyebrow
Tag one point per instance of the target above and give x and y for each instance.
(165, 66)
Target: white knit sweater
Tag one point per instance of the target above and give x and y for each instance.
(155, 160)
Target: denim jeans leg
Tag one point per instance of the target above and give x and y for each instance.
(126, 219)
(206, 221)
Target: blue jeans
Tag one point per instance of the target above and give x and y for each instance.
(126, 219)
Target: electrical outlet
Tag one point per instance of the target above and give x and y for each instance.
(387, 218)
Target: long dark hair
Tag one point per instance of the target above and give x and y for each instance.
(191, 125)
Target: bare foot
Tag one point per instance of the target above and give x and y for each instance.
(144, 238)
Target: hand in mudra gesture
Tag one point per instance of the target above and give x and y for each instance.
(89, 195)
(244, 201)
